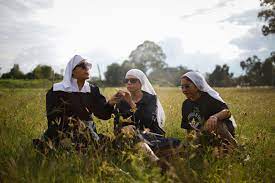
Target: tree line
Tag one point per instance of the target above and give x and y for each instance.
(150, 58)
(257, 72)
(39, 72)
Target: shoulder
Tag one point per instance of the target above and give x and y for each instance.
(58, 87)
(94, 88)
(95, 91)
(186, 102)
(207, 97)
(50, 90)
(148, 97)
(51, 93)
(212, 102)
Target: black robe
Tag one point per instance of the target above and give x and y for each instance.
(62, 106)
(145, 115)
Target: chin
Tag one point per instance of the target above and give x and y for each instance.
(187, 96)
(131, 89)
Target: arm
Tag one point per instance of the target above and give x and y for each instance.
(184, 120)
(224, 114)
(101, 108)
(213, 120)
(125, 105)
(148, 114)
(52, 108)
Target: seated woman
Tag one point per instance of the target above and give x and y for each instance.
(71, 103)
(143, 109)
(204, 110)
(140, 103)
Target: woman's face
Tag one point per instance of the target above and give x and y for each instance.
(188, 88)
(81, 71)
(132, 83)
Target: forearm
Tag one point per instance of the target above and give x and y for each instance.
(224, 114)
(103, 111)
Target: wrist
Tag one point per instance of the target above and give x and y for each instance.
(133, 105)
(214, 117)
(110, 103)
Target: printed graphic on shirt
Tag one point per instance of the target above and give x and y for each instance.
(194, 118)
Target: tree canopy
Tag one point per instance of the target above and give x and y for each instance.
(221, 76)
(15, 73)
(148, 55)
(268, 14)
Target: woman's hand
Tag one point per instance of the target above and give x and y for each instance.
(114, 99)
(127, 97)
(211, 124)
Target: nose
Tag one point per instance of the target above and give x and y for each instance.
(183, 89)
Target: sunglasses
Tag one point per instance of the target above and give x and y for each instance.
(82, 65)
(132, 80)
(185, 86)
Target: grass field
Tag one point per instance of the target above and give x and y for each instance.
(22, 118)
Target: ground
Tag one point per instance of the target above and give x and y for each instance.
(22, 118)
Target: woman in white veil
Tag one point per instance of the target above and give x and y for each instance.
(140, 102)
(72, 102)
(147, 87)
(204, 109)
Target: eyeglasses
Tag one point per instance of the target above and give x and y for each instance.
(132, 80)
(185, 86)
(82, 65)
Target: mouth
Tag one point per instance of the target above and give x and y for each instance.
(186, 94)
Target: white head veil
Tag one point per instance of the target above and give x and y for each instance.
(200, 82)
(69, 84)
(147, 87)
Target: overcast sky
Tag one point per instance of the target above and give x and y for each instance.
(198, 34)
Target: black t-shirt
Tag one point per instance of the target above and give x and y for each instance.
(145, 115)
(196, 113)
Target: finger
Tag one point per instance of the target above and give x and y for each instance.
(211, 126)
(208, 127)
(120, 91)
(127, 92)
(215, 125)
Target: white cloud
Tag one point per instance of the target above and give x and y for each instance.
(194, 33)
(203, 62)
(254, 43)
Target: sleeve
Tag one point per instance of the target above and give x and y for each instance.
(101, 108)
(53, 112)
(184, 120)
(124, 109)
(148, 114)
(217, 106)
